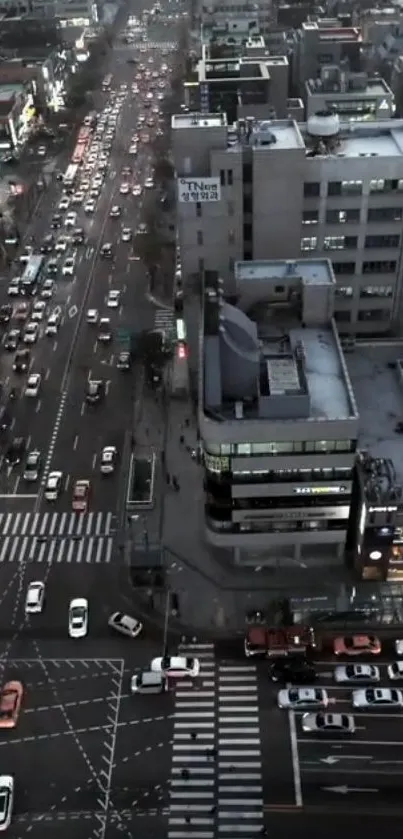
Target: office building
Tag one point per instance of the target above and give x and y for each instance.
(238, 14)
(265, 189)
(277, 415)
(82, 12)
(324, 42)
(353, 96)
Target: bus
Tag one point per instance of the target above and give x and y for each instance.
(32, 274)
(70, 175)
(106, 84)
(79, 153)
(84, 134)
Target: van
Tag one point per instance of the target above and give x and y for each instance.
(148, 682)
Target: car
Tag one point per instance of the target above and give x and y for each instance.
(21, 312)
(68, 266)
(32, 466)
(89, 206)
(108, 460)
(115, 211)
(126, 171)
(81, 495)
(6, 800)
(78, 237)
(95, 192)
(105, 331)
(106, 251)
(64, 204)
(22, 361)
(35, 597)
(6, 312)
(137, 190)
(78, 617)
(56, 221)
(295, 670)
(328, 724)
(125, 625)
(15, 451)
(11, 339)
(377, 698)
(296, 698)
(33, 384)
(48, 244)
(53, 323)
(398, 645)
(92, 316)
(176, 667)
(31, 332)
(61, 244)
(41, 151)
(362, 673)
(47, 289)
(395, 671)
(124, 360)
(126, 234)
(149, 183)
(124, 189)
(133, 149)
(95, 391)
(353, 645)
(38, 311)
(53, 486)
(14, 287)
(77, 197)
(52, 267)
(113, 299)
(70, 220)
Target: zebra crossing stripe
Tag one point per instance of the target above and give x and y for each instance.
(95, 550)
(56, 524)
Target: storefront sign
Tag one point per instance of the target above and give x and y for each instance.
(335, 490)
(199, 190)
(303, 514)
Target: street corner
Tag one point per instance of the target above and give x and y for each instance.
(70, 708)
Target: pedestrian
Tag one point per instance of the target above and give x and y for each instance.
(212, 753)
(187, 423)
(181, 439)
(188, 819)
(193, 735)
(168, 479)
(213, 810)
(163, 458)
(185, 774)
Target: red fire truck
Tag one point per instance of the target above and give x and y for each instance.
(274, 642)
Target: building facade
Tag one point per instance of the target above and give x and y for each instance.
(277, 415)
(276, 190)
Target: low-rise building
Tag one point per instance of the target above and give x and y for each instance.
(324, 42)
(277, 415)
(82, 11)
(16, 113)
(353, 96)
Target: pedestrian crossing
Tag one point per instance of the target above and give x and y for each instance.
(57, 537)
(216, 786)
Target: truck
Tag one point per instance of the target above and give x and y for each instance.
(280, 641)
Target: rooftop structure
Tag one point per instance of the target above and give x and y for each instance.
(198, 120)
(354, 96)
(324, 42)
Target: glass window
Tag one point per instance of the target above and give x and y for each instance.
(344, 291)
(222, 177)
(343, 267)
(370, 315)
(309, 243)
(199, 237)
(198, 209)
(381, 266)
(383, 241)
(225, 448)
(376, 291)
(334, 188)
(310, 217)
(386, 214)
(351, 187)
(377, 185)
(230, 178)
(344, 445)
(342, 316)
(312, 189)
(261, 448)
(342, 216)
(244, 449)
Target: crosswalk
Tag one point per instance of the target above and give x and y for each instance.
(57, 537)
(152, 45)
(216, 786)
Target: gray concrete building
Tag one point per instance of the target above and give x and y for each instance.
(275, 190)
(324, 42)
(353, 96)
(277, 416)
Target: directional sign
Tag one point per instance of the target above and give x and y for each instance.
(73, 311)
(343, 790)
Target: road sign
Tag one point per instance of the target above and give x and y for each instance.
(73, 311)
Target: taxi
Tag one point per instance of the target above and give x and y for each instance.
(81, 496)
(10, 704)
(353, 645)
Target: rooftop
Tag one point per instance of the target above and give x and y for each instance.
(280, 134)
(363, 139)
(356, 86)
(193, 120)
(378, 389)
(333, 33)
(261, 361)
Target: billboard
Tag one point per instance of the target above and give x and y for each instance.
(198, 190)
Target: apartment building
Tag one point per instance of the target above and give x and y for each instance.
(353, 96)
(265, 189)
(82, 12)
(277, 415)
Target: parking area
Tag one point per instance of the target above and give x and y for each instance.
(363, 770)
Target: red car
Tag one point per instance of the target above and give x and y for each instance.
(357, 645)
(81, 496)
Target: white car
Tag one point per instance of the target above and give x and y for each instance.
(47, 289)
(64, 204)
(115, 211)
(61, 244)
(377, 698)
(33, 385)
(395, 671)
(32, 466)
(77, 198)
(31, 332)
(125, 624)
(399, 646)
(6, 800)
(133, 150)
(136, 190)
(52, 326)
(92, 316)
(68, 266)
(297, 698)
(53, 486)
(113, 299)
(124, 189)
(71, 220)
(126, 234)
(89, 206)
(38, 311)
(328, 724)
(78, 617)
(364, 674)
(176, 666)
(14, 287)
(108, 460)
(35, 598)
(149, 183)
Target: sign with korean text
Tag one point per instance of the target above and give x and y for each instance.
(199, 190)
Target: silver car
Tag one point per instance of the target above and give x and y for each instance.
(328, 723)
(363, 674)
(125, 624)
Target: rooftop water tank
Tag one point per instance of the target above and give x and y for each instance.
(324, 124)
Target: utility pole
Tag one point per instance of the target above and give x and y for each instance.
(166, 622)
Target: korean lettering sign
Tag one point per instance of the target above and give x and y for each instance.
(198, 190)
